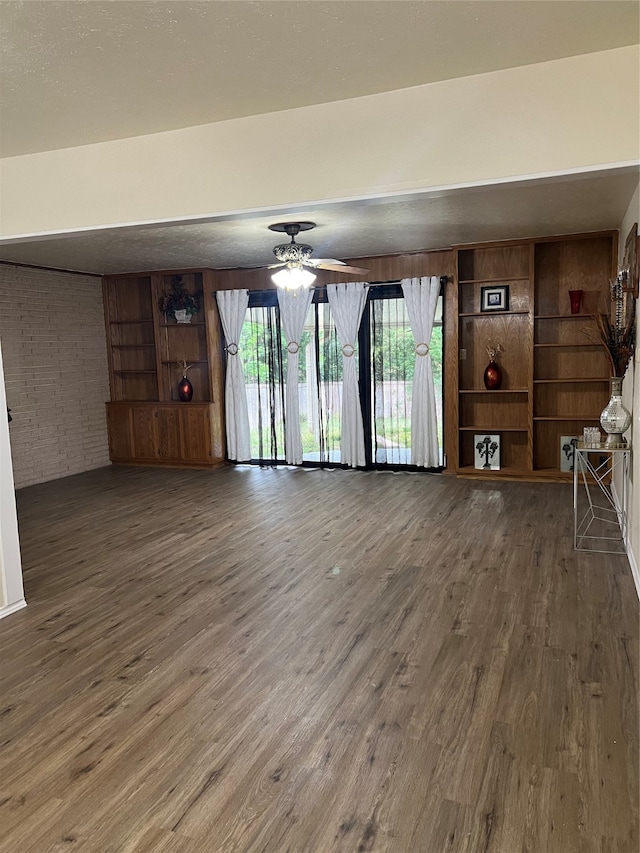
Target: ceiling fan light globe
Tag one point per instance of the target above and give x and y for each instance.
(293, 278)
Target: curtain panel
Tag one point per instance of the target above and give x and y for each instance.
(421, 298)
(347, 303)
(232, 305)
(294, 307)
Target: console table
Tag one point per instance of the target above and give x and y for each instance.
(599, 514)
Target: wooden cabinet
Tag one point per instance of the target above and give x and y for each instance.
(169, 433)
(555, 378)
(119, 430)
(147, 423)
(163, 433)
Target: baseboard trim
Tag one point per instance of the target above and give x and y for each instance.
(12, 608)
(635, 571)
(634, 567)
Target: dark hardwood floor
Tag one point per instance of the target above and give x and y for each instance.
(289, 661)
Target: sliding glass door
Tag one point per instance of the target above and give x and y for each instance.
(263, 348)
(264, 356)
(386, 356)
(389, 376)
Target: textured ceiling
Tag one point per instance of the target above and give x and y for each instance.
(79, 72)
(384, 226)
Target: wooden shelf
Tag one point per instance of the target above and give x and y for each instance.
(553, 474)
(491, 313)
(466, 470)
(133, 346)
(564, 316)
(130, 322)
(495, 391)
(189, 361)
(182, 325)
(569, 418)
(570, 381)
(569, 346)
(486, 429)
(503, 280)
(125, 372)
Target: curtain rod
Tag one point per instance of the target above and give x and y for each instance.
(444, 279)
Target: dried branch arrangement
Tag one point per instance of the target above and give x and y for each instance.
(618, 337)
(184, 366)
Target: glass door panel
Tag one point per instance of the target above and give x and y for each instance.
(392, 364)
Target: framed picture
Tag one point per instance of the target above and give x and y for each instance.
(494, 298)
(567, 451)
(486, 452)
(630, 262)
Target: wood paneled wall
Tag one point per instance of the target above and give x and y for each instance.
(381, 268)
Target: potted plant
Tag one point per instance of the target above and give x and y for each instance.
(180, 302)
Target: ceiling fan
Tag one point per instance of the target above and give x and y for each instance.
(294, 257)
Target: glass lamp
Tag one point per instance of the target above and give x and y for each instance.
(293, 277)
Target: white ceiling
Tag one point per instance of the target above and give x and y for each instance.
(350, 230)
(80, 72)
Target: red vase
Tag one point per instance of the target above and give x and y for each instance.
(492, 376)
(185, 390)
(575, 297)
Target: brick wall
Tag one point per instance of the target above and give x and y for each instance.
(56, 379)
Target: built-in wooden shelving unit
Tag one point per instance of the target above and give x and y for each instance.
(147, 422)
(555, 377)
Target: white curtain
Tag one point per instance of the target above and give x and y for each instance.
(232, 305)
(294, 306)
(347, 303)
(421, 299)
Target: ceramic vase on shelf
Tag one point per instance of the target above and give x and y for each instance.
(492, 376)
(181, 315)
(575, 298)
(615, 419)
(185, 390)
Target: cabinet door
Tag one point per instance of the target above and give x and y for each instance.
(169, 447)
(119, 432)
(196, 433)
(145, 433)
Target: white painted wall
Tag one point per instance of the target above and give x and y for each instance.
(11, 589)
(631, 399)
(553, 117)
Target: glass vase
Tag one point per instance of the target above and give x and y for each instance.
(492, 376)
(575, 298)
(615, 419)
(185, 390)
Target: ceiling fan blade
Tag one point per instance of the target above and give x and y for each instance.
(339, 266)
(273, 266)
(315, 262)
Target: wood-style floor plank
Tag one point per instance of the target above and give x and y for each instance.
(284, 661)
